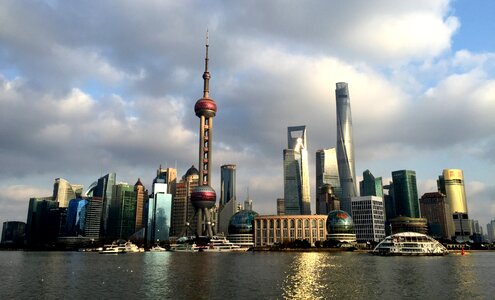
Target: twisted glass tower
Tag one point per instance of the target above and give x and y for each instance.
(345, 148)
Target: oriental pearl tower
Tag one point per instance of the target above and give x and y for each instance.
(203, 197)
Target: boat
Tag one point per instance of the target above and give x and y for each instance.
(187, 244)
(132, 248)
(221, 244)
(157, 248)
(113, 249)
(410, 243)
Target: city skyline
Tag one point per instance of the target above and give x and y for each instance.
(79, 104)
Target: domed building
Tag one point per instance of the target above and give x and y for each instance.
(241, 228)
(340, 227)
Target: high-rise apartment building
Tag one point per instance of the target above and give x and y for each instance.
(369, 218)
(406, 193)
(435, 208)
(228, 201)
(327, 173)
(370, 186)
(451, 184)
(296, 173)
(345, 147)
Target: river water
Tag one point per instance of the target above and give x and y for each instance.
(259, 275)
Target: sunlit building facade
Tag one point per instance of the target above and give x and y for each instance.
(296, 173)
(451, 184)
(369, 218)
(159, 214)
(269, 230)
(76, 217)
(183, 222)
(63, 191)
(327, 174)
(345, 146)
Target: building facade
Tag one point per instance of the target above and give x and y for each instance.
(296, 173)
(406, 193)
(122, 217)
(228, 201)
(451, 184)
(183, 222)
(270, 230)
(280, 206)
(13, 233)
(436, 210)
(369, 218)
(159, 211)
(327, 174)
(63, 191)
(371, 186)
(345, 146)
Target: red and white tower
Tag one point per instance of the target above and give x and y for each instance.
(203, 197)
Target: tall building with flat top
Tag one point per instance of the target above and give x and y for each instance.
(228, 203)
(345, 147)
(406, 193)
(327, 174)
(296, 173)
(370, 186)
(451, 184)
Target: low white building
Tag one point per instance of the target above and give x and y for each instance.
(369, 218)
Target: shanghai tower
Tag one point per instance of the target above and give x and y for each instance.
(345, 148)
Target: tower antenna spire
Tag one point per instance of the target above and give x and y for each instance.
(206, 74)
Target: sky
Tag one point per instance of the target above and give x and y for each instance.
(91, 87)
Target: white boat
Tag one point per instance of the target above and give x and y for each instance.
(157, 248)
(130, 247)
(410, 243)
(185, 247)
(221, 244)
(113, 249)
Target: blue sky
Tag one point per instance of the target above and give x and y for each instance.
(87, 91)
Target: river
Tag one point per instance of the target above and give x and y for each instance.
(258, 275)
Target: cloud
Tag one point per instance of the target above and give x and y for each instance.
(84, 91)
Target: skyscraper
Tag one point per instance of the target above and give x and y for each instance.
(101, 192)
(296, 173)
(182, 210)
(203, 197)
(63, 191)
(327, 173)
(345, 148)
(228, 203)
(406, 193)
(369, 218)
(435, 208)
(370, 186)
(451, 184)
(159, 207)
(122, 217)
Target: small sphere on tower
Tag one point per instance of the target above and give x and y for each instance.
(203, 196)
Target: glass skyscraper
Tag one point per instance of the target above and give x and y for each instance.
(159, 213)
(405, 193)
(345, 148)
(327, 173)
(370, 186)
(296, 173)
(228, 199)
